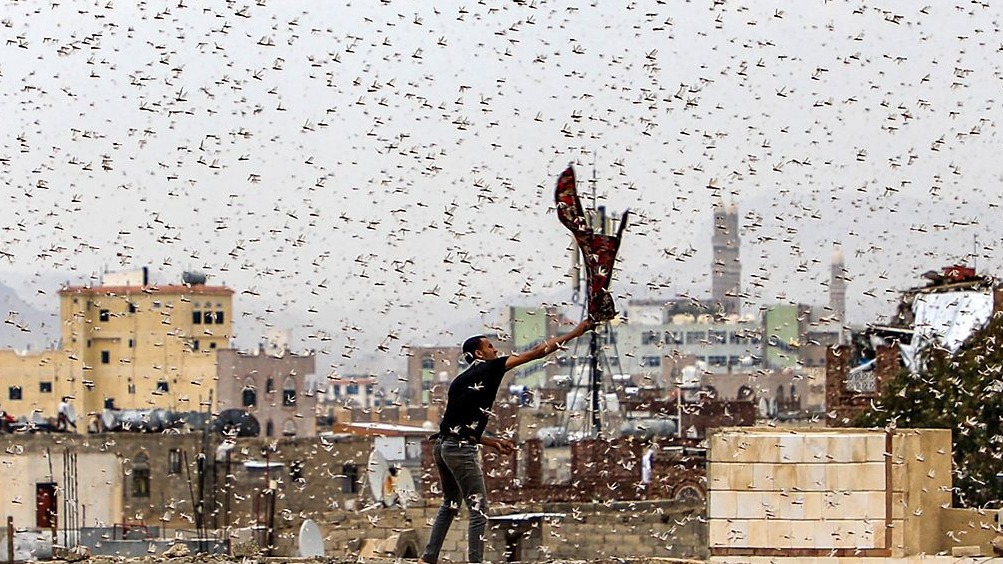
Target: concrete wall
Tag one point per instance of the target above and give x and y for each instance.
(805, 492)
(99, 485)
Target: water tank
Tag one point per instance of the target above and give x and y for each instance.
(193, 278)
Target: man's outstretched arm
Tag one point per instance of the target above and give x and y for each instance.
(548, 346)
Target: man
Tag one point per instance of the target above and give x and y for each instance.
(468, 406)
(63, 416)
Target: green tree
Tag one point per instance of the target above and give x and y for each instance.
(962, 392)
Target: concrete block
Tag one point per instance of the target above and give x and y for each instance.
(809, 477)
(749, 505)
(722, 504)
(791, 448)
(966, 551)
(791, 506)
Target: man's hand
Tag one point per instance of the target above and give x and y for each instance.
(503, 446)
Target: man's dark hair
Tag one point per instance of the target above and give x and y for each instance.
(471, 345)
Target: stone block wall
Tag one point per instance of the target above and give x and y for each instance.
(783, 492)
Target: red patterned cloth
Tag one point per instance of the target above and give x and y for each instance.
(598, 250)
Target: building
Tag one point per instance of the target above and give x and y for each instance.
(129, 344)
(153, 481)
(430, 369)
(726, 268)
(275, 388)
(837, 285)
(126, 344)
(947, 310)
(798, 334)
(658, 333)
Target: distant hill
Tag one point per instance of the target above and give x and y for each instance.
(25, 326)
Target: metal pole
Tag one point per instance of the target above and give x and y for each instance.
(226, 504)
(596, 377)
(10, 539)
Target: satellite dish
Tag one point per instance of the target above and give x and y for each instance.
(377, 471)
(109, 420)
(245, 424)
(406, 491)
(311, 543)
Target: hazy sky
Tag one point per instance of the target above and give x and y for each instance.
(387, 168)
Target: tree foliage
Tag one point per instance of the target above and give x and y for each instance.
(962, 392)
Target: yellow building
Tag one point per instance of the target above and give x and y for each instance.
(125, 344)
(29, 382)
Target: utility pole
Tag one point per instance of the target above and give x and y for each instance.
(595, 367)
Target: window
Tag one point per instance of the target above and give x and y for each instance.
(196, 317)
(674, 337)
(174, 461)
(132, 307)
(353, 389)
(45, 387)
(105, 357)
(109, 403)
(609, 337)
(651, 361)
(196, 345)
(717, 360)
(269, 428)
(104, 315)
(163, 387)
(131, 388)
(132, 343)
(14, 392)
(351, 473)
(219, 318)
(694, 337)
(249, 396)
(427, 362)
(269, 385)
(289, 428)
(296, 471)
(289, 392)
(649, 338)
(141, 475)
(717, 336)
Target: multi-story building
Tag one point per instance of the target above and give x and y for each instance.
(275, 388)
(658, 333)
(126, 344)
(130, 344)
(797, 334)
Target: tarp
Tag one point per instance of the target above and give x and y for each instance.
(946, 319)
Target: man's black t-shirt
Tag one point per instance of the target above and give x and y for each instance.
(470, 398)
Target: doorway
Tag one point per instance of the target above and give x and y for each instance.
(45, 505)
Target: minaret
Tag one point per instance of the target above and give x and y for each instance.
(726, 270)
(837, 285)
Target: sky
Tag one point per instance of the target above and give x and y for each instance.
(376, 174)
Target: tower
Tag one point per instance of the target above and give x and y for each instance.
(837, 285)
(726, 269)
